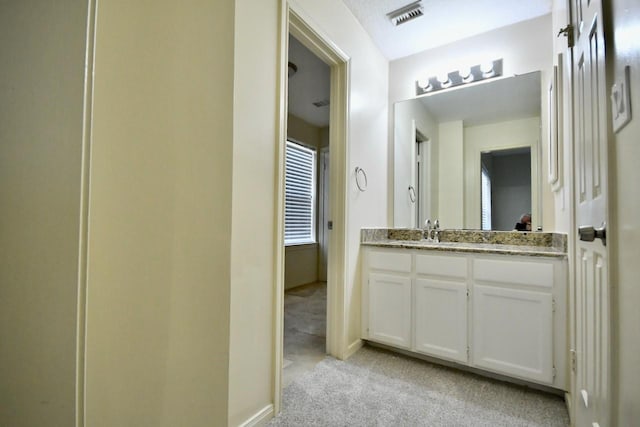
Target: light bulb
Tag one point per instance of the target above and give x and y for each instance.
(424, 84)
(487, 68)
(443, 78)
(466, 75)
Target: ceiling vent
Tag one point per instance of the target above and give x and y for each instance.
(322, 103)
(406, 13)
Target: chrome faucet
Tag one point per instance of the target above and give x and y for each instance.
(427, 229)
(432, 232)
(436, 231)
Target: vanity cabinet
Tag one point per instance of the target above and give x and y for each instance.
(513, 317)
(440, 306)
(389, 298)
(498, 313)
(390, 309)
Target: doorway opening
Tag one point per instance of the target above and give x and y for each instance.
(306, 211)
(505, 187)
(421, 178)
(331, 206)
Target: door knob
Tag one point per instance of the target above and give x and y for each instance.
(588, 233)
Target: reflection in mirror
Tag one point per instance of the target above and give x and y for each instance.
(505, 187)
(422, 176)
(438, 142)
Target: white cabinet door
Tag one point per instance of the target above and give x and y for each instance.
(390, 309)
(441, 319)
(513, 332)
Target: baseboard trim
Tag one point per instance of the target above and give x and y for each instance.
(352, 348)
(260, 418)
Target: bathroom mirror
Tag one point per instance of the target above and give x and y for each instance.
(439, 140)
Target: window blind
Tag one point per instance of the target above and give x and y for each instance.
(300, 171)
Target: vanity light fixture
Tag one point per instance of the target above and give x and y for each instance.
(459, 77)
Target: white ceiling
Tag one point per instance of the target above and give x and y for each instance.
(309, 84)
(443, 22)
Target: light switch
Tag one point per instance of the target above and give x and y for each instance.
(620, 101)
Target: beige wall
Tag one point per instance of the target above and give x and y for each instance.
(451, 171)
(42, 46)
(179, 296)
(175, 312)
(324, 136)
(300, 265)
(624, 228)
(253, 233)
(304, 132)
(160, 218)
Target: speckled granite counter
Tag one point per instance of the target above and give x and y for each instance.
(475, 241)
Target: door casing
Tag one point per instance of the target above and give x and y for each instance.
(294, 21)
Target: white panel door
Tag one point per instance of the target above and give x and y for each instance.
(390, 309)
(513, 332)
(441, 319)
(590, 295)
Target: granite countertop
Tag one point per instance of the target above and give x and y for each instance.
(473, 241)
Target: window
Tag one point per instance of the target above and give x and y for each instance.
(486, 199)
(300, 172)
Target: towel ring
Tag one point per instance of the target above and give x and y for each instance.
(412, 194)
(361, 173)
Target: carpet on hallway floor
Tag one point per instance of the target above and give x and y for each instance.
(376, 387)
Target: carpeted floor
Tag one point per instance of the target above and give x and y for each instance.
(380, 388)
(305, 324)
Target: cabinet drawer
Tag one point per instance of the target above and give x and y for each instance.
(514, 272)
(439, 265)
(390, 261)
